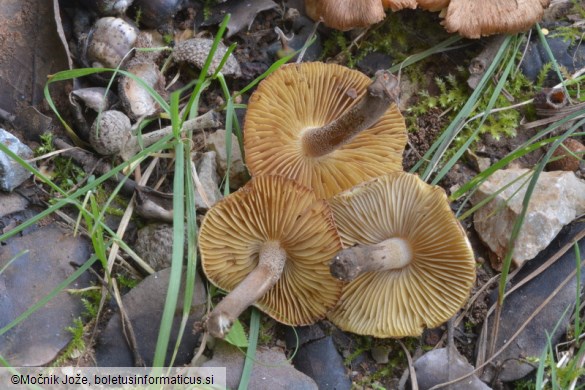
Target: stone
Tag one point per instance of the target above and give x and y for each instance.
(144, 305)
(11, 203)
(301, 335)
(37, 261)
(380, 353)
(209, 180)
(320, 360)
(12, 174)
(558, 198)
(154, 244)
(238, 172)
(271, 369)
(436, 366)
(552, 321)
(569, 55)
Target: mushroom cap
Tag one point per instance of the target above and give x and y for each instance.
(345, 14)
(397, 5)
(298, 97)
(436, 283)
(474, 19)
(266, 209)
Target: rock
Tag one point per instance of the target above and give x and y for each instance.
(321, 361)
(238, 172)
(11, 203)
(570, 56)
(271, 368)
(12, 174)
(380, 354)
(42, 257)
(558, 198)
(207, 173)
(144, 305)
(301, 335)
(522, 303)
(154, 244)
(437, 366)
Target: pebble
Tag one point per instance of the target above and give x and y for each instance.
(558, 198)
(271, 368)
(43, 257)
(144, 305)
(522, 303)
(12, 174)
(238, 172)
(209, 180)
(436, 367)
(567, 55)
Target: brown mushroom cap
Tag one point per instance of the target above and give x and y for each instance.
(396, 5)
(345, 14)
(298, 97)
(272, 209)
(474, 19)
(438, 279)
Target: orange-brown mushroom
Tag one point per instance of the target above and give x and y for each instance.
(345, 14)
(407, 259)
(270, 244)
(325, 125)
(474, 19)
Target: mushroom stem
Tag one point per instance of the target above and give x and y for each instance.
(350, 263)
(383, 91)
(253, 287)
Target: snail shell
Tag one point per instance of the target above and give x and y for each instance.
(110, 132)
(136, 100)
(110, 40)
(96, 98)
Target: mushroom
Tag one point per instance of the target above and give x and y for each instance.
(270, 244)
(474, 19)
(325, 125)
(407, 260)
(396, 5)
(345, 14)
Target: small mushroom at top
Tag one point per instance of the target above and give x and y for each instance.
(407, 260)
(345, 14)
(325, 125)
(270, 244)
(474, 19)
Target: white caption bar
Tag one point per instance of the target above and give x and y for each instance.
(112, 377)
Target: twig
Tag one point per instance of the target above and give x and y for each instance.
(127, 328)
(413, 381)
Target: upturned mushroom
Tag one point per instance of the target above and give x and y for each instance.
(407, 260)
(474, 19)
(325, 125)
(270, 244)
(345, 15)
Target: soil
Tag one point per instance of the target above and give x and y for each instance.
(254, 55)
